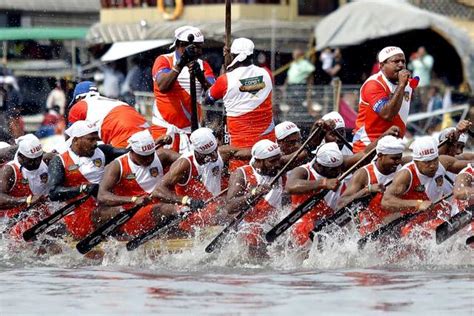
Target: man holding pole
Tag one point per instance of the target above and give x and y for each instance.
(172, 85)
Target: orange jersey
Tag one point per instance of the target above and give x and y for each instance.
(375, 94)
(117, 121)
(173, 107)
(247, 96)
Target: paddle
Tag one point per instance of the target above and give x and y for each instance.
(192, 88)
(402, 220)
(169, 222)
(453, 225)
(18, 217)
(37, 229)
(307, 205)
(343, 139)
(97, 236)
(217, 241)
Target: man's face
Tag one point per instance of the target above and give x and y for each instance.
(143, 161)
(393, 65)
(290, 143)
(30, 163)
(390, 162)
(269, 166)
(328, 172)
(332, 137)
(206, 158)
(87, 144)
(428, 168)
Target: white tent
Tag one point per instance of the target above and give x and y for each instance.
(120, 50)
(363, 20)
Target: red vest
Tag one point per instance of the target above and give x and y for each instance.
(193, 188)
(20, 189)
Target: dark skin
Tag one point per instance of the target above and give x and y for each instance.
(392, 200)
(7, 180)
(166, 80)
(463, 189)
(358, 185)
(7, 154)
(180, 171)
(238, 194)
(109, 202)
(395, 70)
(453, 147)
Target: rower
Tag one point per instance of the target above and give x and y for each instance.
(340, 128)
(464, 187)
(252, 180)
(23, 182)
(197, 176)
(420, 183)
(77, 172)
(372, 179)
(456, 141)
(130, 179)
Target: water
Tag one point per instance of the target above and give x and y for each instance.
(341, 280)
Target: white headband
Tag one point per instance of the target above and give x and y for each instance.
(390, 145)
(445, 132)
(142, 143)
(285, 129)
(242, 47)
(182, 33)
(329, 155)
(29, 146)
(264, 149)
(388, 52)
(81, 128)
(336, 117)
(424, 148)
(203, 140)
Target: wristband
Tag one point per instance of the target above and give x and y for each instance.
(369, 187)
(254, 191)
(133, 199)
(418, 204)
(185, 200)
(28, 200)
(82, 188)
(324, 182)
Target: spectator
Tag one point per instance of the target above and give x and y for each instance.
(337, 63)
(113, 80)
(300, 75)
(57, 97)
(327, 59)
(138, 79)
(10, 107)
(53, 123)
(421, 64)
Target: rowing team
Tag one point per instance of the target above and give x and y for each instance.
(161, 184)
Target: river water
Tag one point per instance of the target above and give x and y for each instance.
(428, 279)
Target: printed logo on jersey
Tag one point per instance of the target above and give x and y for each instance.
(97, 162)
(215, 171)
(439, 181)
(44, 177)
(420, 188)
(252, 85)
(154, 172)
(130, 176)
(406, 96)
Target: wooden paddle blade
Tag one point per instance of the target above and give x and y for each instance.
(143, 238)
(452, 226)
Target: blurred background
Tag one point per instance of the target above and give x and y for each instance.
(319, 51)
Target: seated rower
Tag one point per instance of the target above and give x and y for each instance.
(78, 171)
(253, 180)
(197, 176)
(129, 180)
(23, 182)
(372, 179)
(420, 183)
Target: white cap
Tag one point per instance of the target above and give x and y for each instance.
(242, 47)
(390, 145)
(285, 129)
(81, 128)
(203, 140)
(264, 149)
(29, 146)
(336, 117)
(445, 132)
(329, 155)
(142, 143)
(182, 33)
(424, 148)
(388, 52)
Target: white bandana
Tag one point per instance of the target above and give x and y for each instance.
(329, 155)
(142, 143)
(203, 140)
(29, 146)
(81, 128)
(388, 52)
(336, 117)
(242, 47)
(390, 145)
(182, 33)
(264, 149)
(445, 132)
(424, 148)
(285, 129)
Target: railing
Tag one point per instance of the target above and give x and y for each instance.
(456, 8)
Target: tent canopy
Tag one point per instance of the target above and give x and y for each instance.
(42, 33)
(120, 50)
(363, 20)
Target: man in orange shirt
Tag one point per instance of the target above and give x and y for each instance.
(171, 86)
(384, 99)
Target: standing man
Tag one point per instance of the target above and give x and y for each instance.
(421, 63)
(246, 91)
(384, 99)
(171, 85)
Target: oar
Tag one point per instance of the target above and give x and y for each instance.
(343, 216)
(34, 231)
(217, 241)
(192, 88)
(453, 225)
(343, 139)
(97, 236)
(402, 220)
(19, 217)
(169, 222)
(307, 205)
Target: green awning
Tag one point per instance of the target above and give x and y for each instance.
(42, 33)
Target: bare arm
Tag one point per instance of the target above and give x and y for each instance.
(111, 177)
(166, 80)
(178, 173)
(167, 157)
(452, 164)
(356, 188)
(462, 188)
(391, 109)
(391, 199)
(297, 182)
(56, 178)
(228, 152)
(7, 179)
(236, 197)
